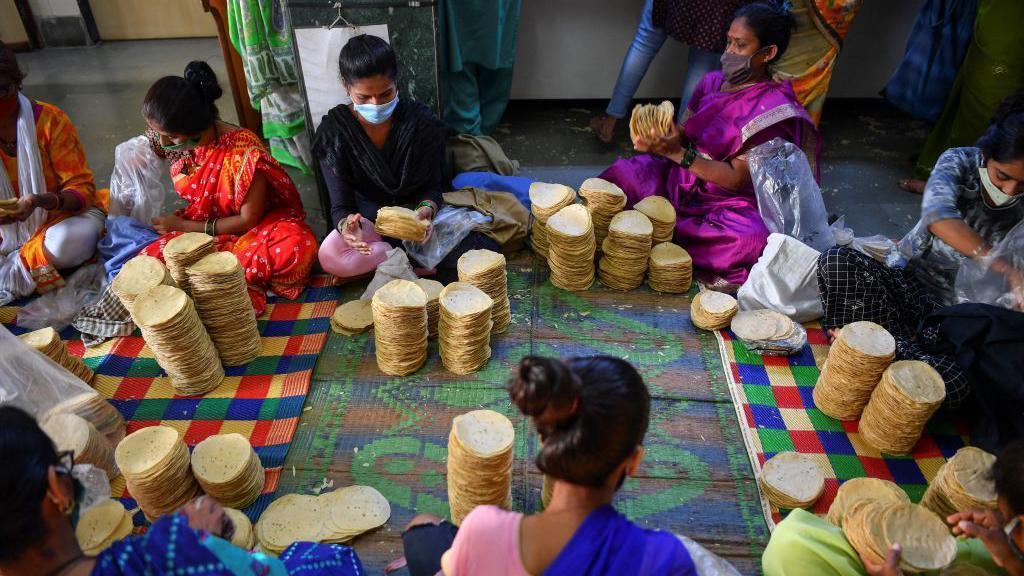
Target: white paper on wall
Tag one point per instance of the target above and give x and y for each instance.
(318, 55)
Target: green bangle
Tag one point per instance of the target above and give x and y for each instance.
(428, 204)
(689, 157)
(211, 227)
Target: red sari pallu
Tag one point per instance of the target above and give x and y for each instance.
(278, 253)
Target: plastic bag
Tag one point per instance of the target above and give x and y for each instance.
(31, 381)
(785, 280)
(451, 226)
(788, 197)
(140, 182)
(878, 246)
(796, 341)
(59, 307)
(977, 282)
(395, 267)
(95, 485)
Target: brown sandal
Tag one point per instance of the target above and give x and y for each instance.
(597, 126)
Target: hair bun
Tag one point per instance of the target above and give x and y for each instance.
(548, 391)
(199, 74)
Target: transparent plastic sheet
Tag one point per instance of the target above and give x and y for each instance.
(878, 246)
(978, 282)
(31, 381)
(95, 485)
(395, 267)
(58, 308)
(791, 345)
(140, 182)
(451, 226)
(788, 197)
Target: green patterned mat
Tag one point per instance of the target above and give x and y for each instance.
(360, 426)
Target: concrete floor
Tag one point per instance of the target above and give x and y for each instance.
(867, 144)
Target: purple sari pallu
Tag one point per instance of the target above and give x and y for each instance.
(721, 229)
(607, 543)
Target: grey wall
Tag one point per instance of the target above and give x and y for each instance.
(573, 49)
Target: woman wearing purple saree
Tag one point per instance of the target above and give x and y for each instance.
(703, 170)
(592, 415)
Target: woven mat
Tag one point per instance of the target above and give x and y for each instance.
(391, 433)
(775, 407)
(262, 400)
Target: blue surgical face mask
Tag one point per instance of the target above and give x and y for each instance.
(377, 113)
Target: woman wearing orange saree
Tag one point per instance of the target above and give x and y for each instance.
(50, 213)
(235, 190)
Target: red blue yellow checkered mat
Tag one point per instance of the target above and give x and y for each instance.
(262, 400)
(776, 412)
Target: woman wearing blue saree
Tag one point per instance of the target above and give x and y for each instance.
(592, 415)
(40, 508)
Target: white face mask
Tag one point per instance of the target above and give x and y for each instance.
(996, 195)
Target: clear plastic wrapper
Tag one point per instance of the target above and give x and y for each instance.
(140, 182)
(95, 485)
(784, 347)
(878, 246)
(788, 197)
(58, 308)
(31, 381)
(451, 226)
(395, 267)
(1003, 285)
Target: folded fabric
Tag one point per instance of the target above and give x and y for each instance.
(519, 186)
(105, 319)
(784, 279)
(474, 153)
(125, 237)
(510, 220)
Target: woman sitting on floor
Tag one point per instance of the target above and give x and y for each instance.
(56, 216)
(40, 508)
(701, 167)
(806, 545)
(235, 190)
(971, 201)
(381, 150)
(592, 414)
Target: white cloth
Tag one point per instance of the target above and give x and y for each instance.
(785, 280)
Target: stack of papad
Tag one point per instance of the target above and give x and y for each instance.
(184, 251)
(571, 254)
(480, 454)
(48, 342)
(858, 489)
(626, 251)
(332, 517)
(74, 433)
(485, 269)
(155, 465)
(94, 409)
(137, 276)
(401, 223)
(353, 317)
(244, 536)
(856, 360)
(432, 288)
(962, 483)
(792, 480)
(228, 469)
(670, 269)
(464, 330)
(662, 215)
(712, 310)
(221, 297)
(545, 200)
(904, 400)
(400, 327)
(873, 526)
(102, 525)
(171, 327)
(648, 120)
(604, 200)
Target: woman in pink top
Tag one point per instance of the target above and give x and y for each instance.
(592, 415)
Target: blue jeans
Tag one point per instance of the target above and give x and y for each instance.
(645, 46)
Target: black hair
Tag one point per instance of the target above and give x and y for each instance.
(366, 56)
(591, 414)
(27, 454)
(1008, 475)
(771, 22)
(9, 65)
(184, 104)
(1003, 140)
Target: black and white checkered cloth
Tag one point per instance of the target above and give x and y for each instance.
(105, 319)
(855, 287)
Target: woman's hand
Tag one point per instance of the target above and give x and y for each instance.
(426, 213)
(670, 145)
(169, 223)
(352, 234)
(1014, 278)
(20, 210)
(987, 526)
(889, 567)
(206, 514)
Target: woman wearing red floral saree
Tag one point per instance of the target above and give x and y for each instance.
(235, 190)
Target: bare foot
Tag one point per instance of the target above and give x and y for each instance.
(832, 334)
(911, 185)
(603, 127)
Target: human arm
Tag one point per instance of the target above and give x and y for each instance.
(731, 175)
(207, 515)
(340, 193)
(429, 202)
(249, 214)
(987, 526)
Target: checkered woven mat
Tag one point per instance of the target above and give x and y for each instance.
(775, 407)
(261, 400)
